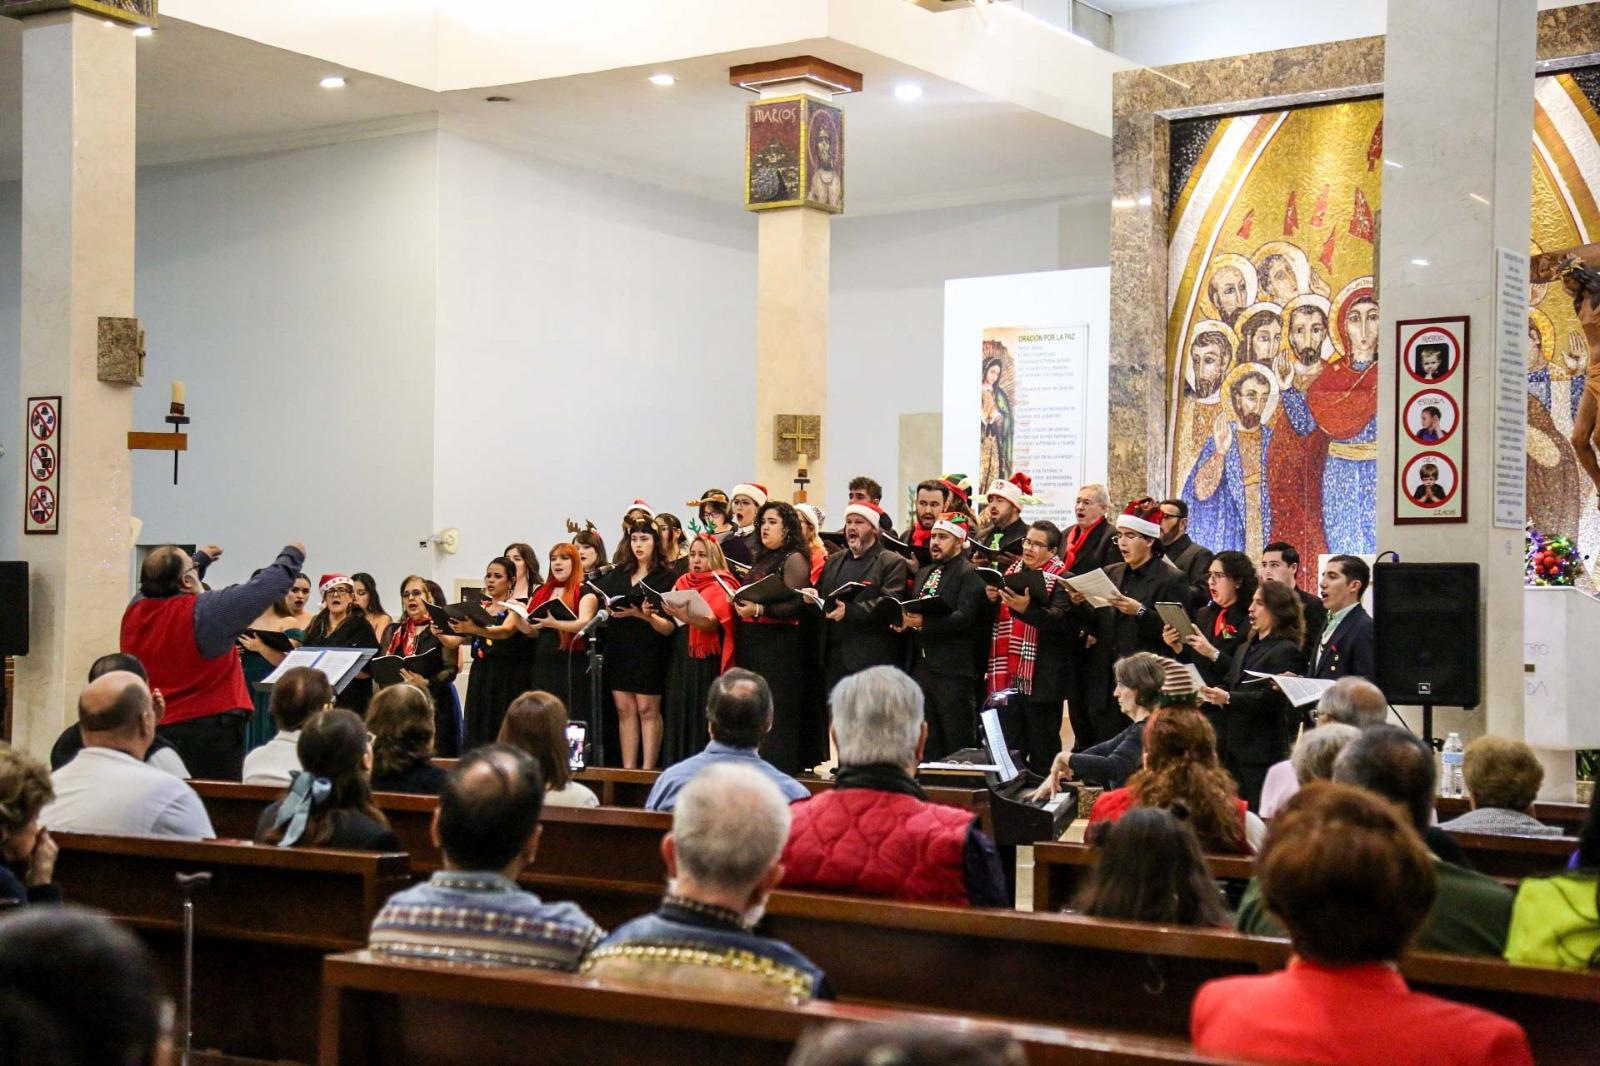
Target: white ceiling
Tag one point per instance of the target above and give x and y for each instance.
(204, 93)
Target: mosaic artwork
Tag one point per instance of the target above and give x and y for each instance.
(1272, 334)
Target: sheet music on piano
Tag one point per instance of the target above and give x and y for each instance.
(994, 739)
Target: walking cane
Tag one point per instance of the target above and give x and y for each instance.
(189, 884)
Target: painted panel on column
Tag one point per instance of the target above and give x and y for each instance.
(1431, 420)
(41, 498)
(1272, 336)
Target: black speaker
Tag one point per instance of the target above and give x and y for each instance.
(13, 608)
(1425, 625)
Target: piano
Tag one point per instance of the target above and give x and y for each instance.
(1019, 820)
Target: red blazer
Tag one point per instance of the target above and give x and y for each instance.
(1360, 1015)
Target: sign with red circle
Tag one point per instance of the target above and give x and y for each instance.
(1431, 480)
(41, 506)
(1432, 373)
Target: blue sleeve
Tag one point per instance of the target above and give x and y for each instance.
(222, 614)
(980, 862)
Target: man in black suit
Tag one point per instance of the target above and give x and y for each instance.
(855, 637)
(1345, 647)
(946, 659)
(1280, 562)
(1090, 544)
(1193, 559)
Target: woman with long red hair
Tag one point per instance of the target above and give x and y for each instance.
(702, 648)
(559, 658)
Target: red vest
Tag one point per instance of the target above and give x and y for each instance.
(865, 842)
(161, 633)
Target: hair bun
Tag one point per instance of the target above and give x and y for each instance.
(1179, 810)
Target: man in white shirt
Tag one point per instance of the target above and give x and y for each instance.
(108, 788)
(296, 696)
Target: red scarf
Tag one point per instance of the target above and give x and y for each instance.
(716, 588)
(1015, 644)
(543, 595)
(1075, 540)
(920, 536)
(404, 640)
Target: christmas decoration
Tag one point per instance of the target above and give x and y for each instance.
(1551, 560)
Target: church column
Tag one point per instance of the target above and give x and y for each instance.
(794, 177)
(78, 91)
(1457, 122)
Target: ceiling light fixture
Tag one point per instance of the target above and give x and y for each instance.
(907, 91)
(1420, 263)
(332, 81)
(663, 80)
(1394, 163)
(144, 31)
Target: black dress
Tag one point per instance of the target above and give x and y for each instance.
(423, 779)
(564, 674)
(441, 687)
(354, 632)
(684, 709)
(773, 646)
(636, 655)
(501, 671)
(1256, 728)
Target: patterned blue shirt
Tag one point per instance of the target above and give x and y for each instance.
(483, 918)
(664, 796)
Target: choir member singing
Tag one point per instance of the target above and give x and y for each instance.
(414, 633)
(371, 603)
(560, 652)
(712, 511)
(742, 543)
(637, 512)
(502, 657)
(811, 522)
(527, 562)
(1225, 621)
(299, 596)
(932, 500)
(769, 640)
(866, 490)
(946, 650)
(636, 650)
(258, 659)
(674, 553)
(342, 624)
(591, 553)
(1029, 647)
(857, 635)
(1002, 512)
(702, 648)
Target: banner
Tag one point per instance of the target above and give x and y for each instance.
(1035, 380)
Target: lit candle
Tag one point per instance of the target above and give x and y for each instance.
(802, 461)
(177, 392)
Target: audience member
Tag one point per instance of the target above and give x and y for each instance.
(738, 715)
(875, 833)
(905, 1045)
(1556, 920)
(1353, 701)
(77, 989)
(1503, 778)
(108, 788)
(487, 830)
(1144, 683)
(728, 832)
(1315, 752)
(536, 723)
(400, 719)
(162, 755)
(27, 854)
(187, 636)
(1180, 765)
(300, 693)
(1352, 883)
(1471, 912)
(329, 804)
(1151, 870)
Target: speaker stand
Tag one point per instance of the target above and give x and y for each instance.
(1427, 723)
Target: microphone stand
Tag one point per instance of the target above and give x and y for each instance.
(597, 659)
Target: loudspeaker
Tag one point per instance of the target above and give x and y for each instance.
(1425, 624)
(13, 608)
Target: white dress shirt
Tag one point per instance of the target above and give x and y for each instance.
(574, 795)
(106, 791)
(274, 761)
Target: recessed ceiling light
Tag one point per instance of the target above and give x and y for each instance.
(332, 81)
(908, 91)
(662, 80)
(144, 31)
(1419, 262)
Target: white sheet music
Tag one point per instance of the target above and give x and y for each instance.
(298, 657)
(335, 663)
(1301, 691)
(995, 740)
(699, 609)
(1096, 586)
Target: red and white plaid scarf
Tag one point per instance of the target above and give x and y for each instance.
(1015, 643)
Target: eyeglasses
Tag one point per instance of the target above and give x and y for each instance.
(414, 593)
(1038, 545)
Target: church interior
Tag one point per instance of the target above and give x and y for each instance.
(1096, 497)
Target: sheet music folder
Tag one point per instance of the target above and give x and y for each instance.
(338, 665)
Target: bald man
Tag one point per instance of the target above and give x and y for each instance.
(108, 788)
(186, 636)
(1351, 701)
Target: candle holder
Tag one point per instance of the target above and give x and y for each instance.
(801, 480)
(176, 442)
(177, 420)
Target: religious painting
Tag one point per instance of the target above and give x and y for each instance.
(773, 142)
(1032, 404)
(998, 423)
(824, 156)
(1273, 327)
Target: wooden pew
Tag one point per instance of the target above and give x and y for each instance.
(1568, 817)
(261, 928)
(387, 1013)
(1500, 855)
(1059, 868)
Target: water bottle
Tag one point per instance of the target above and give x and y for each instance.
(1450, 781)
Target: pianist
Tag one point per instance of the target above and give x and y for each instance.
(1144, 683)
(876, 834)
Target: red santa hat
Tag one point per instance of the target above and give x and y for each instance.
(871, 512)
(758, 493)
(953, 523)
(640, 505)
(1018, 489)
(1141, 518)
(331, 581)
